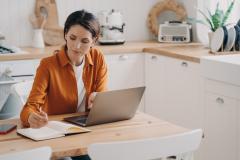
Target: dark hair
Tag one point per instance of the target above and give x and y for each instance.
(85, 19)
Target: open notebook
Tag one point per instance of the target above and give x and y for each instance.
(53, 129)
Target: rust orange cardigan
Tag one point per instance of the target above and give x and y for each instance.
(55, 86)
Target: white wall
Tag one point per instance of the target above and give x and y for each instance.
(190, 6)
(15, 25)
(18, 31)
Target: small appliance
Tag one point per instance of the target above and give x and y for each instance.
(175, 32)
(112, 27)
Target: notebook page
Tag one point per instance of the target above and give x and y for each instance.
(65, 127)
(40, 133)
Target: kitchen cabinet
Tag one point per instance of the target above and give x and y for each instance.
(126, 70)
(221, 121)
(19, 68)
(154, 81)
(183, 93)
(238, 132)
(173, 90)
(14, 71)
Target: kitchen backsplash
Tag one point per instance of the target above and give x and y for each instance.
(15, 25)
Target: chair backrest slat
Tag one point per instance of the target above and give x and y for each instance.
(42, 153)
(144, 149)
(16, 100)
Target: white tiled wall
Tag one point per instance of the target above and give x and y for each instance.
(15, 25)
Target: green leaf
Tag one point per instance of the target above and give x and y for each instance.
(228, 12)
(217, 8)
(210, 15)
(217, 19)
(193, 20)
(207, 19)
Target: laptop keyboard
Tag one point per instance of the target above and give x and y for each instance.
(82, 120)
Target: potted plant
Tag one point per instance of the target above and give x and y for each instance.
(214, 20)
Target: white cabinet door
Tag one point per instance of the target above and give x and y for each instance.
(182, 93)
(221, 127)
(173, 90)
(154, 81)
(126, 71)
(238, 132)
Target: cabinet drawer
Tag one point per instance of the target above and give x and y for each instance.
(222, 88)
(19, 67)
(183, 63)
(123, 57)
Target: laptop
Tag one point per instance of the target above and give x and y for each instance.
(111, 106)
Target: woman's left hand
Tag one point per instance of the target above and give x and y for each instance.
(91, 99)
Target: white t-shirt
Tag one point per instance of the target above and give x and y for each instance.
(78, 70)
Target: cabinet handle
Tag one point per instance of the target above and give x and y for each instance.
(123, 57)
(184, 64)
(220, 100)
(154, 57)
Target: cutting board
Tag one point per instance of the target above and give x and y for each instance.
(52, 32)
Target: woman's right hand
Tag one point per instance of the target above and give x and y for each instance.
(37, 119)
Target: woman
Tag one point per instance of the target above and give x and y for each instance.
(67, 81)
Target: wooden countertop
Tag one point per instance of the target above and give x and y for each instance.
(188, 51)
(35, 53)
(140, 126)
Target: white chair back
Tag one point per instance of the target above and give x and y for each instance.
(42, 153)
(16, 99)
(179, 145)
(22, 90)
